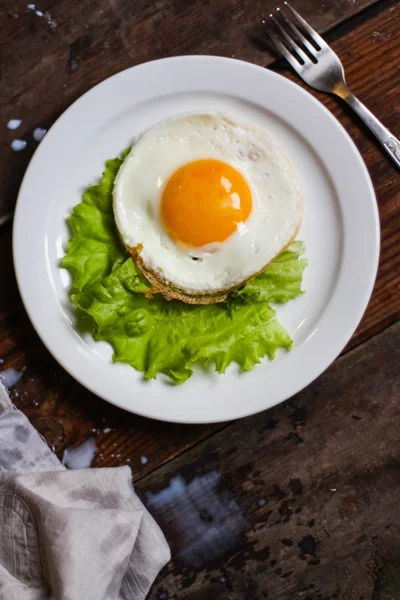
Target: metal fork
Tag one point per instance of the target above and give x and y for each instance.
(319, 66)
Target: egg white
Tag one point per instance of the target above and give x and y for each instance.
(275, 218)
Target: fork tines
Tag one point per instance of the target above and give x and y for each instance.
(293, 36)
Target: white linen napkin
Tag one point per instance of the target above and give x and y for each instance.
(69, 535)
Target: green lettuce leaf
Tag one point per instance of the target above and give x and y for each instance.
(94, 249)
(160, 336)
(155, 335)
(280, 281)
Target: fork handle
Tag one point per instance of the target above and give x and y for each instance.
(383, 135)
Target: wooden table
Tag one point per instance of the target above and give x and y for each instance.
(303, 500)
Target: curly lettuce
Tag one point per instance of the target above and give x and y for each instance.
(155, 335)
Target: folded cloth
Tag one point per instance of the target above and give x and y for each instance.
(69, 535)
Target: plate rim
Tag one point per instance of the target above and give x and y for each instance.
(360, 307)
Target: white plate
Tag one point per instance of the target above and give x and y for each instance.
(340, 230)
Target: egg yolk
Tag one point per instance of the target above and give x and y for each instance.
(204, 201)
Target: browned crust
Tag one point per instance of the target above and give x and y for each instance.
(168, 290)
(172, 292)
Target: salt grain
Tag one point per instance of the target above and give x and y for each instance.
(39, 133)
(10, 377)
(13, 124)
(80, 457)
(18, 145)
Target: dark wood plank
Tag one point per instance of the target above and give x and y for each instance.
(65, 413)
(298, 502)
(48, 62)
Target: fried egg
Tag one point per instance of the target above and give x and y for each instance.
(204, 203)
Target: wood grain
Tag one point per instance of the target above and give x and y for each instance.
(66, 413)
(298, 502)
(48, 62)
